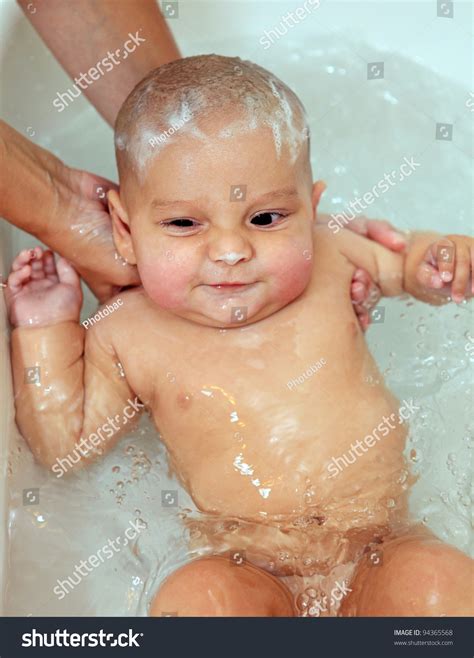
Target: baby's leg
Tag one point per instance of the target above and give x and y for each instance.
(217, 587)
(414, 575)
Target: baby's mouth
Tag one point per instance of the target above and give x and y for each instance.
(229, 288)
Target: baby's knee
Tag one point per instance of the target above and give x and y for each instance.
(414, 577)
(218, 587)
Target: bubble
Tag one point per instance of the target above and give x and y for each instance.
(141, 465)
(302, 601)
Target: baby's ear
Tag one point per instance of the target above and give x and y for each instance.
(121, 227)
(318, 190)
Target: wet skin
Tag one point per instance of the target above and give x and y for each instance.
(216, 382)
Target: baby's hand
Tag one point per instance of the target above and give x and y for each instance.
(39, 294)
(448, 266)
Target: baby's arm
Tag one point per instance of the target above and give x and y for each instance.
(421, 270)
(68, 393)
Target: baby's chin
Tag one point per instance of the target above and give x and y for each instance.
(217, 308)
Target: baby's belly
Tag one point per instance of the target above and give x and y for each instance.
(322, 479)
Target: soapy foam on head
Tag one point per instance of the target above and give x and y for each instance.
(180, 98)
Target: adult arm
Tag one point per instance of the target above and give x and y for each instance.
(81, 33)
(64, 208)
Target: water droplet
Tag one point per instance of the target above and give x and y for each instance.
(302, 601)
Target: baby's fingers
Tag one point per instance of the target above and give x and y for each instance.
(18, 279)
(444, 254)
(67, 274)
(462, 272)
(25, 257)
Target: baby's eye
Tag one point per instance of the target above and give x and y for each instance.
(178, 224)
(267, 218)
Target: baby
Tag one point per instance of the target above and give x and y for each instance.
(243, 344)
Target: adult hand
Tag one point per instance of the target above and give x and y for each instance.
(86, 233)
(64, 208)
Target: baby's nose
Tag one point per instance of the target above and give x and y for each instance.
(231, 257)
(230, 247)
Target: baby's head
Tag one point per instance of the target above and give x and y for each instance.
(215, 188)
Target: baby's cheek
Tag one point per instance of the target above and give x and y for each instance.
(165, 282)
(292, 279)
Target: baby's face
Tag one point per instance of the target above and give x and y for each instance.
(221, 228)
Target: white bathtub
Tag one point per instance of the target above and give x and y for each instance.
(324, 58)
